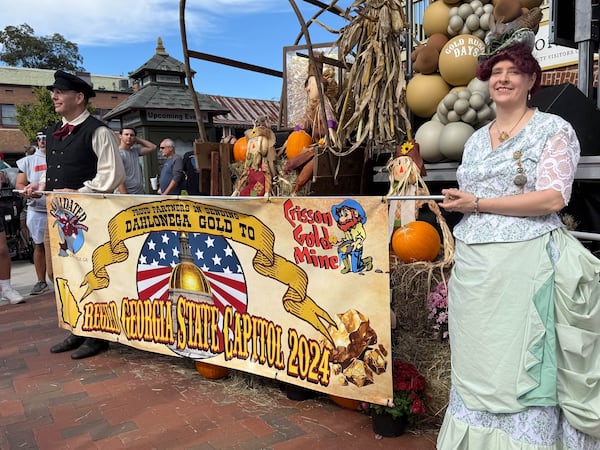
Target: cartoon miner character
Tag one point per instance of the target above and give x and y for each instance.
(351, 218)
(69, 231)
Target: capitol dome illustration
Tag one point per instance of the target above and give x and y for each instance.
(201, 275)
(188, 283)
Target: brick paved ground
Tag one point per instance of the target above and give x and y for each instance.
(126, 398)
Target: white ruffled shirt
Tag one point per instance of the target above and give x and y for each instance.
(550, 154)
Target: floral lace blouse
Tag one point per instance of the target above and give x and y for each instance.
(549, 156)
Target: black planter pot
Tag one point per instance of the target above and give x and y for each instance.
(388, 426)
(298, 393)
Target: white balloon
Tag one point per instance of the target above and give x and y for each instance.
(455, 23)
(441, 109)
(453, 138)
(484, 21)
(476, 4)
(483, 87)
(428, 138)
(479, 33)
(449, 100)
(461, 106)
(485, 113)
(472, 22)
(469, 117)
(464, 93)
(453, 116)
(465, 10)
(477, 100)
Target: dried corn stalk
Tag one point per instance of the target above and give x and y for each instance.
(376, 84)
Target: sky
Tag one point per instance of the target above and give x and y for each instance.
(115, 37)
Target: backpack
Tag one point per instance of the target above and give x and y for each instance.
(192, 175)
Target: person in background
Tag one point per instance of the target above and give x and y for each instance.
(524, 294)
(192, 173)
(82, 155)
(172, 176)
(131, 148)
(23, 216)
(9, 294)
(31, 170)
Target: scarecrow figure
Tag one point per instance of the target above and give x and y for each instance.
(259, 168)
(312, 120)
(405, 171)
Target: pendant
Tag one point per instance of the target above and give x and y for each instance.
(503, 136)
(520, 179)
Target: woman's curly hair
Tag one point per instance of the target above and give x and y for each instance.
(520, 55)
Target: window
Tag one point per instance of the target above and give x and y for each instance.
(8, 117)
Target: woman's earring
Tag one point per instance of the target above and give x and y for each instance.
(528, 95)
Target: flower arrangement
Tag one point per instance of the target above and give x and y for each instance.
(410, 399)
(438, 309)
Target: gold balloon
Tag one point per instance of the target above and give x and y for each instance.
(424, 92)
(435, 18)
(458, 59)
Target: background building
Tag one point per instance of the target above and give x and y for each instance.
(16, 85)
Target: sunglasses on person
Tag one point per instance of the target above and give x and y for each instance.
(41, 137)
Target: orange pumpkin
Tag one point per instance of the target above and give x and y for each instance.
(239, 149)
(416, 241)
(345, 402)
(211, 371)
(296, 142)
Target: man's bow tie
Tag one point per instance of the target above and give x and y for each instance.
(63, 132)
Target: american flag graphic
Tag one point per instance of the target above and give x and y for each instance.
(211, 254)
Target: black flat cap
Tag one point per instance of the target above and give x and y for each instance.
(69, 82)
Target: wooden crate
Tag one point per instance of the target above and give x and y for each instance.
(213, 159)
(339, 175)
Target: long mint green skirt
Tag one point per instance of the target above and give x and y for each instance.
(524, 323)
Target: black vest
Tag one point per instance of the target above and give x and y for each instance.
(71, 161)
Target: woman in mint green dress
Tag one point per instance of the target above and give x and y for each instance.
(524, 295)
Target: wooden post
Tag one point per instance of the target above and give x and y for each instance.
(203, 152)
(214, 174)
(225, 152)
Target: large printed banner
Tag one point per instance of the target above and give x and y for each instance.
(295, 289)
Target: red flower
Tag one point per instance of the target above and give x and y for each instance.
(409, 399)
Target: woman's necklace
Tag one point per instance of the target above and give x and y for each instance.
(503, 135)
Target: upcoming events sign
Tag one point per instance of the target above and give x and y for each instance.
(295, 289)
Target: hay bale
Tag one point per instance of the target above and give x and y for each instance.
(431, 357)
(410, 285)
(413, 339)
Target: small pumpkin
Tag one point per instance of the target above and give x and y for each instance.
(296, 142)
(211, 371)
(348, 403)
(416, 241)
(239, 149)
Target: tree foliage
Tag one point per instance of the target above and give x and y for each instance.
(20, 48)
(32, 117)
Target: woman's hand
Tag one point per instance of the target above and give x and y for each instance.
(458, 201)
